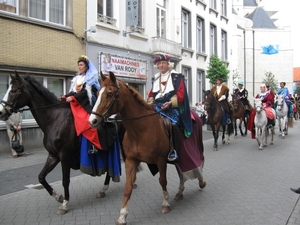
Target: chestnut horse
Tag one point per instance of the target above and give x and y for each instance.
(145, 139)
(238, 114)
(56, 121)
(215, 119)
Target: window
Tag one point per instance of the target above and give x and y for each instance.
(161, 20)
(223, 7)
(224, 45)
(105, 12)
(140, 13)
(188, 82)
(200, 35)
(213, 39)
(9, 5)
(213, 4)
(53, 11)
(185, 29)
(55, 85)
(200, 85)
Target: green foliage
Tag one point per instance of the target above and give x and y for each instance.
(270, 80)
(216, 69)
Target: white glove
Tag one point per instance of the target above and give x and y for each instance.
(223, 97)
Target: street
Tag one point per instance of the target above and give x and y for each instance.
(244, 186)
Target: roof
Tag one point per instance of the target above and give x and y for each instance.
(261, 19)
(296, 74)
(250, 3)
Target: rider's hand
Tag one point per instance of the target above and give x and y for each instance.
(166, 105)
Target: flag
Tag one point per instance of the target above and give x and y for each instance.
(270, 49)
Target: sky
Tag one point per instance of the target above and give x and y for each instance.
(288, 15)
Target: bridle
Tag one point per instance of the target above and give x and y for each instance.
(105, 115)
(12, 105)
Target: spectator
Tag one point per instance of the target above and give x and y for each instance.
(13, 124)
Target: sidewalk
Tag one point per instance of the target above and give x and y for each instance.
(244, 186)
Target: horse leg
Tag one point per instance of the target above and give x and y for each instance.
(235, 129)
(265, 137)
(66, 170)
(258, 138)
(223, 134)
(216, 136)
(131, 168)
(245, 124)
(272, 137)
(179, 195)
(240, 127)
(101, 193)
(50, 164)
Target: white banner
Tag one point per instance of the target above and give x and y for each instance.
(123, 67)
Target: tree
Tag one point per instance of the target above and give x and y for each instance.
(216, 69)
(270, 80)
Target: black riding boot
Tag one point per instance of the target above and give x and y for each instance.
(172, 156)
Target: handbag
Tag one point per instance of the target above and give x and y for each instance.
(15, 143)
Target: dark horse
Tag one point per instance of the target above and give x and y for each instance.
(56, 121)
(239, 114)
(215, 119)
(146, 139)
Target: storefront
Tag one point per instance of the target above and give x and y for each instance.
(134, 68)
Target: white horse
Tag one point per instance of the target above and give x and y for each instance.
(282, 116)
(260, 122)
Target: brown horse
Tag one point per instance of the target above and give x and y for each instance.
(215, 119)
(145, 140)
(55, 119)
(238, 114)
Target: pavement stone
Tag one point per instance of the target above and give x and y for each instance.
(244, 186)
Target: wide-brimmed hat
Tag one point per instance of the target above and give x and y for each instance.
(241, 83)
(162, 57)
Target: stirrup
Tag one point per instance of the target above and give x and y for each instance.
(93, 150)
(228, 121)
(172, 156)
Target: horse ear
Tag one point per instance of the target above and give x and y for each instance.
(103, 77)
(112, 77)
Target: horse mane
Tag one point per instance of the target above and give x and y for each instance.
(138, 96)
(41, 89)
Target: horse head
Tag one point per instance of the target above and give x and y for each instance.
(235, 101)
(258, 105)
(280, 102)
(209, 100)
(14, 97)
(108, 101)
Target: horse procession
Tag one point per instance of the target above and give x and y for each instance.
(136, 131)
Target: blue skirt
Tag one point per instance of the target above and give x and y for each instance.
(102, 162)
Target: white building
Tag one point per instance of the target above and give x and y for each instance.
(188, 30)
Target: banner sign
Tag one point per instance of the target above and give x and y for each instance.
(124, 67)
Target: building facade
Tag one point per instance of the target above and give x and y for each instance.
(43, 39)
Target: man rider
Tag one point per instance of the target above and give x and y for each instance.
(242, 95)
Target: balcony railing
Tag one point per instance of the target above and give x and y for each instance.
(106, 19)
(162, 45)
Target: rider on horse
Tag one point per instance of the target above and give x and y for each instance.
(221, 92)
(169, 96)
(268, 100)
(285, 92)
(242, 95)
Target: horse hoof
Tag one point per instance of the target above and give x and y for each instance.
(61, 211)
(265, 145)
(165, 209)
(134, 186)
(260, 148)
(215, 149)
(282, 137)
(202, 185)
(101, 195)
(178, 197)
(117, 223)
(60, 199)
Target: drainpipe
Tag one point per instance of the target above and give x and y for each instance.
(253, 36)
(245, 66)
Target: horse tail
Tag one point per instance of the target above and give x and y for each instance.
(230, 128)
(291, 122)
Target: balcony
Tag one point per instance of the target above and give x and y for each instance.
(106, 19)
(165, 46)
